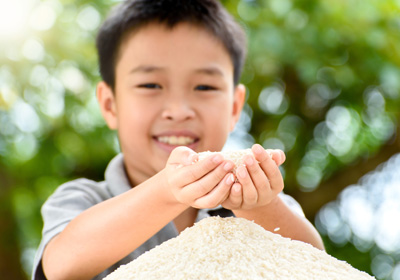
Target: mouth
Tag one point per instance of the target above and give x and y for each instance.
(176, 140)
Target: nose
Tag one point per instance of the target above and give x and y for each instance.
(177, 109)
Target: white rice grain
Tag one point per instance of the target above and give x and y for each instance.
(235, 248)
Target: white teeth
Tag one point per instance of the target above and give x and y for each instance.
(176, 140)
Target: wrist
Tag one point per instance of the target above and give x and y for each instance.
(270, 211)
(165, 191)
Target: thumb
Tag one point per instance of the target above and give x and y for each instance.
(182, 155)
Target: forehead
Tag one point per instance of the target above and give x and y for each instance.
(183, 44)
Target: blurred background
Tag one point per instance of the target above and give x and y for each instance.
(323, 84)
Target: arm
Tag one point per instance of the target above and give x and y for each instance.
(108, 231)
(277, 215)
(255, 197)
(102, 235)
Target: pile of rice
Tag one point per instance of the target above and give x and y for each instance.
(235, 248)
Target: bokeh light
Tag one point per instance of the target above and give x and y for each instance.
(367, 215)
(13, 18)
(272, 100)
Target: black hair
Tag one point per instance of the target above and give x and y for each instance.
(131, 15)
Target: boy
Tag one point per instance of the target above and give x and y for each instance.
(170, 88)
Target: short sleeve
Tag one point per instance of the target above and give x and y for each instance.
(67, 202)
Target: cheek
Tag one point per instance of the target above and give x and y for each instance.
(220, 112)
(219, 121)
(133, 120)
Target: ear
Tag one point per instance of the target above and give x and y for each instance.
(107, 102)
(238, 102)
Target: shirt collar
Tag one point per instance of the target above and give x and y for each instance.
(116, 177)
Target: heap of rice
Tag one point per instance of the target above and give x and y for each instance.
(235, 248)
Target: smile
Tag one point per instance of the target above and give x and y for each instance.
(176, 140)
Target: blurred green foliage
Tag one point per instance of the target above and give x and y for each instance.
(323, 81)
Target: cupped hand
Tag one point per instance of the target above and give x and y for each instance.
(199, 184)
(259, 180)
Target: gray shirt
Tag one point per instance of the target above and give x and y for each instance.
(72, 198)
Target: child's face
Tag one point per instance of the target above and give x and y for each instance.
(173, 87)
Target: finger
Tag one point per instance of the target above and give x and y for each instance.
(209, 181)
(217, 194)
(235, 198)
(282, 157)
(250, 195)
(278, 156)
(182, 155)
(194, 172)
(257, 175)
(269, 167)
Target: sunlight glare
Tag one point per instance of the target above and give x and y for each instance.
(43, 17)
(13, 17)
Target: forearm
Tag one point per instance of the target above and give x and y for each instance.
(277, 215)
(109, 231)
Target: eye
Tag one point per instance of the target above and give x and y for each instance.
(205, 87)
(149, 86)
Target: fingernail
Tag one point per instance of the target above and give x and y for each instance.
(193, 158)
(242, 171)
(258, 149)
(228, 166)
(217, 158)
(249, 161)
(230, 179)
(236, 188)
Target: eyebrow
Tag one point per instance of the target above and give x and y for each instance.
(147, 69)
(212, 70)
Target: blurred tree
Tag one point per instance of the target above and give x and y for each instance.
(322, 79)
(50, 127)
(9, 245)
